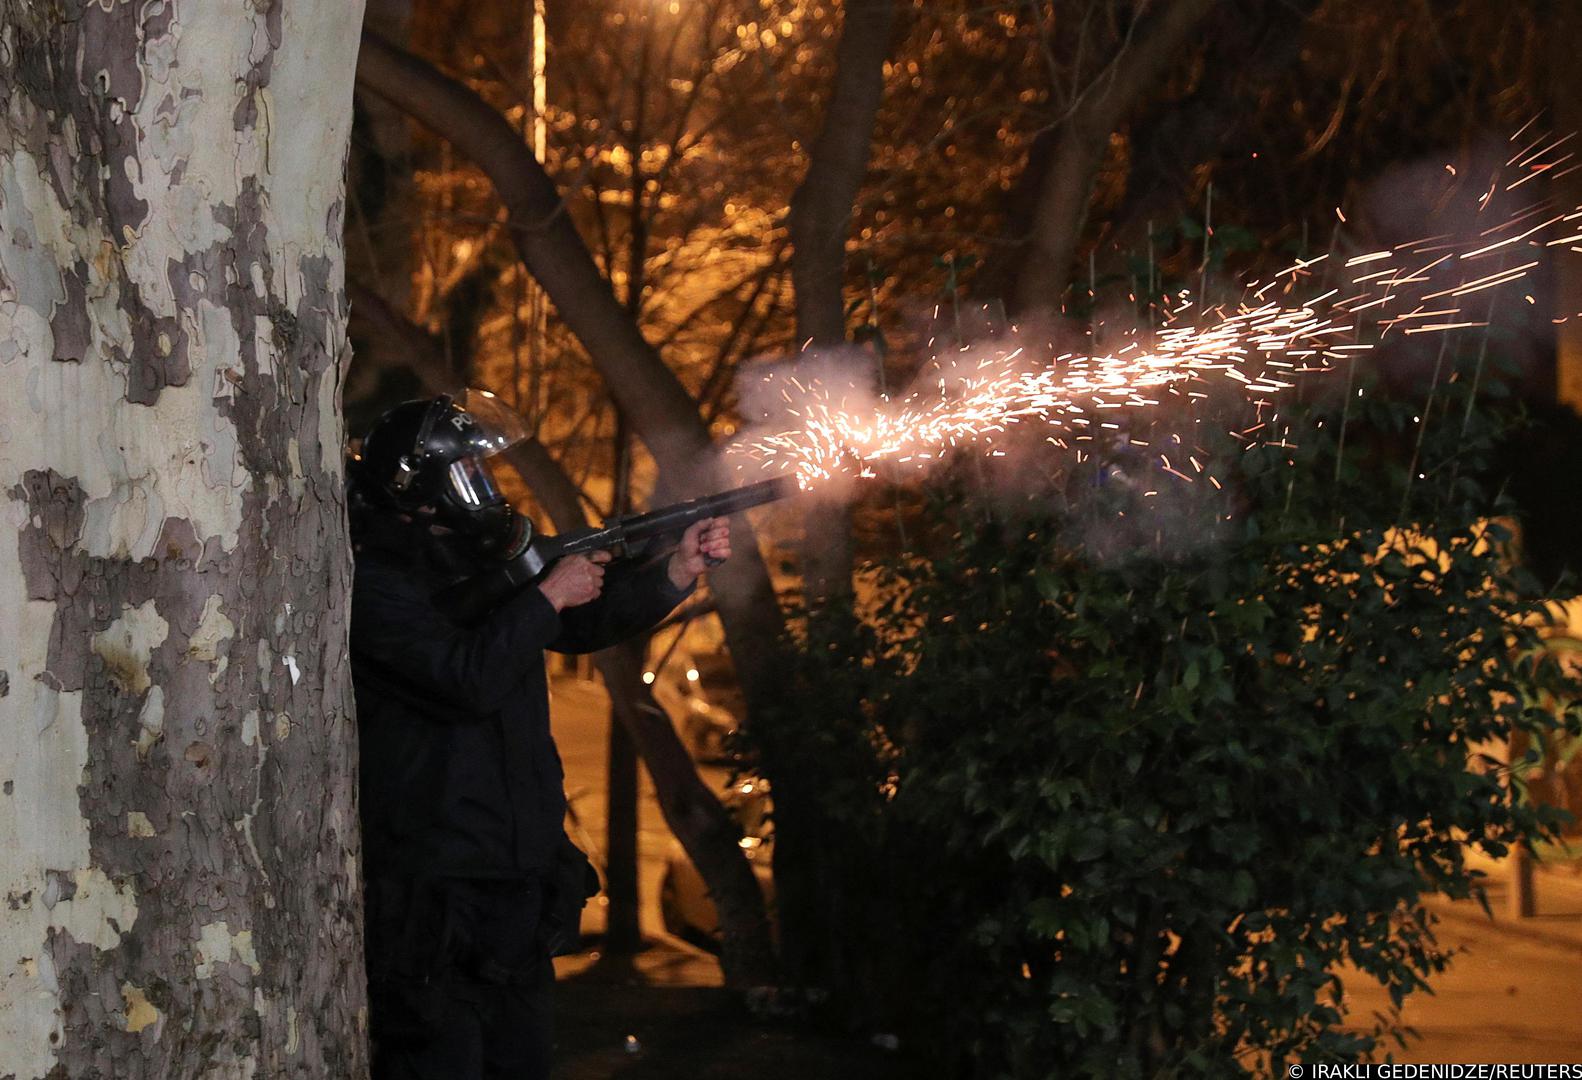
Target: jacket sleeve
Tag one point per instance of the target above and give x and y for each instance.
(397, 630)
(635, 597)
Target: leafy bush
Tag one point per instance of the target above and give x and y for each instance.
(1123, 768)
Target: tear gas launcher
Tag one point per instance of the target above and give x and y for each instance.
(473, 598)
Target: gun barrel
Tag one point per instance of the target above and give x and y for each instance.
(667, 519)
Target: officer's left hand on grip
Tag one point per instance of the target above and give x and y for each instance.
(706, 543)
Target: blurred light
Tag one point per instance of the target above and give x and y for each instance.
(648, 678)
(692, 674)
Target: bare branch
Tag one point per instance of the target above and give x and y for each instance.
(1066, 186)
(547, 242)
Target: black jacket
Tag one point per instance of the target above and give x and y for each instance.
(460, 777)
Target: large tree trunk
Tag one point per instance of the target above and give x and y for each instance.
(820, 221)
(178, 833)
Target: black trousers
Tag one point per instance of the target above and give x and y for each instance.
(459, 980)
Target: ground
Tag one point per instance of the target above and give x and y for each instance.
(664, 1014)
(1511, 995)
(1513, 992)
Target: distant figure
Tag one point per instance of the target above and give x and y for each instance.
(471, 880)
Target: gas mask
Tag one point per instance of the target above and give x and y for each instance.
(471, 505)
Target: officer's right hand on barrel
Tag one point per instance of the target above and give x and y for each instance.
(574, 580)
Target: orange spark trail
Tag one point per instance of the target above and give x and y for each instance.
(1257, 346)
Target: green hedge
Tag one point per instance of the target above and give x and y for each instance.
(1113, 781)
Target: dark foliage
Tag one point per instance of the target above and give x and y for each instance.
(1114, 776)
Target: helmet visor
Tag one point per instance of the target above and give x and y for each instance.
(472, 485)
(499, 427)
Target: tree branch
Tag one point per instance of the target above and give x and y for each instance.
(1173, 140)
(821, 209)
(1041, 261)
(548, 244)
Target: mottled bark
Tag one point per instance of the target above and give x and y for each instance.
(647, 392)
(178, 838)
(1033, 271)
(821, 212)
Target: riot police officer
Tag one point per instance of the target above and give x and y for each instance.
(469, 875)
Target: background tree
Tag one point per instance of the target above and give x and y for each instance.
(178, 825)
(1010, 144)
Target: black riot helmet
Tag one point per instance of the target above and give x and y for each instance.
(429, 458)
